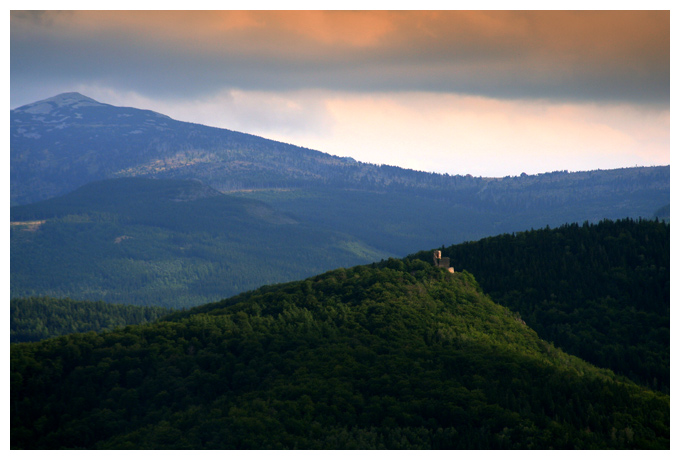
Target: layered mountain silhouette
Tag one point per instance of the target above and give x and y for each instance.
(130, 206)
(63, 142)
(70, 140)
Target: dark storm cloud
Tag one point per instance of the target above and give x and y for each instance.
(598, 56)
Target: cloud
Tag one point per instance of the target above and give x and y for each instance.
(289, 114)
(474, 135)
(587, 55)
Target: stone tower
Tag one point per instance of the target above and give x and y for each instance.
(443, 262)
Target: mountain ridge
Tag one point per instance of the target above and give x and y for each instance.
(224, 159)
(77, 139)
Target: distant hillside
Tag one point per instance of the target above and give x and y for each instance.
(38, 318)
(165, 242)
(598, 291)
(402, 220)
(61, 143)
(398, 355)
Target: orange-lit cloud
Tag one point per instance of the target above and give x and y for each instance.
(464, 134)
(561, 54)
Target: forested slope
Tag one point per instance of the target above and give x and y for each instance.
(599, 291)
(37, 318)
(166, 242)
(397, 355)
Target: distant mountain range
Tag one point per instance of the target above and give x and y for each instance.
(63, 142)
(364, 211)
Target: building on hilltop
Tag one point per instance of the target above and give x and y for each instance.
(443, 262)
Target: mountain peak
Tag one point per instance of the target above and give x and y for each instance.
(72, 100)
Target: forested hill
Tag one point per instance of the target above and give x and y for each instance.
(598, 291)
(396, 355)
(168, 242)
(38, 318)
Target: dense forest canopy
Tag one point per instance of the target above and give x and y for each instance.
(396, 355)
(599, 291)
(37, 318)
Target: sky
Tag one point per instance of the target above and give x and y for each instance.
(487, 93)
